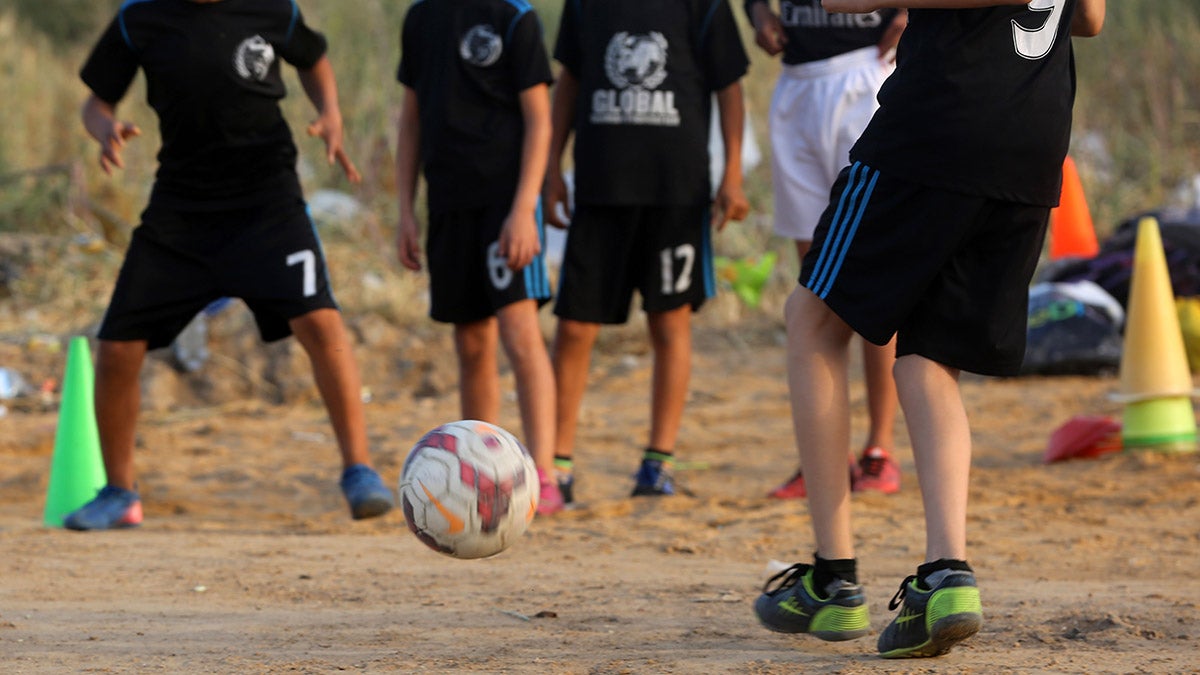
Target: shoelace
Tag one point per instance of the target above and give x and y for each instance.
(787, 578)
(900, 594)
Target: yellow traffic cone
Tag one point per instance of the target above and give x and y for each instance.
(77, 468)
(1156, 383)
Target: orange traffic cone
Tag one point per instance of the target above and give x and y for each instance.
(1072, 234)
(1156, 382)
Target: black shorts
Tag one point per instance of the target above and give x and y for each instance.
(947, 273)
(663, 252)
(269, 255)
(468, 279)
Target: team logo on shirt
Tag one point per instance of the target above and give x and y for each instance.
(481, 46)
(253, 58)
(635, 65)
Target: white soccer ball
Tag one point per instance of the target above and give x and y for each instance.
(469, 489)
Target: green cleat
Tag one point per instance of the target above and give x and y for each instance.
(932, 621)
(793, 606)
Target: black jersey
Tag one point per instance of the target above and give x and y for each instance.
(980, 102)
(468, 62)
(814, 34)
(647, 70)
(212, 76)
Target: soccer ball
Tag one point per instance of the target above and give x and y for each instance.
(469, 489)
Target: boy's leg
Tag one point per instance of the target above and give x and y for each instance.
(882, 399)
(475, 344)
(671, 338)
(824, 599)
(939, 605)
(941, 441)
(526, 349)
(877, 468)
(818, 360)
(118, 399)
(323, 336)
(573, 341)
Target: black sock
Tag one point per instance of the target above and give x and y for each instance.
(664, 456)
(826, 571)
(923, 571)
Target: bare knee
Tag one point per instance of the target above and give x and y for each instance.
(810, 321)
(120, 358)
(475, 343)
(319, 329)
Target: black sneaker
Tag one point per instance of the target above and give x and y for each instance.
(566, 486)
(932, 621)
(794, 606)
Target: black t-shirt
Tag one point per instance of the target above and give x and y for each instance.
(212, 76)
(980, 103)
(647, 70)
(814, 34)
(468, 62)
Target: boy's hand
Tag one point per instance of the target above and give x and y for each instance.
(730, 204)
(768, 29)
(329, 127)
(113, 143)
(519, 241)
(408, 243)
(554, 197)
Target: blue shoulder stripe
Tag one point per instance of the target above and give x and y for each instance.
(121, 19)
(708, 17)
(522, 8)
(287, 37)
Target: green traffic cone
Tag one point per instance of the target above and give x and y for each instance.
(77, 469)
(747, 277)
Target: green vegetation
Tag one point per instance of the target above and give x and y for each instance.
(1137, 118)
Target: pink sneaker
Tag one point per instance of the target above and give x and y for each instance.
(793, 488)
(877, 471)
(550, 499)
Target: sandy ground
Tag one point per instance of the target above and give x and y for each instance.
(248, 562)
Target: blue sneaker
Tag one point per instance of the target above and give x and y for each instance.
(365, 492)
(566, 487)
(111, 508)
(654, 479)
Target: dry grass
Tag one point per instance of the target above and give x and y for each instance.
(1137, 122)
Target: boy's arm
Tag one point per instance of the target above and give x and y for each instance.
(730, 202)
(321, 87)
(1088, 18)
(562, 118)
(99, 118)
(408, 138)
(519, 240)
(891, 36)
(864, 6)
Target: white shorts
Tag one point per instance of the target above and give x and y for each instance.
(818, 110)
